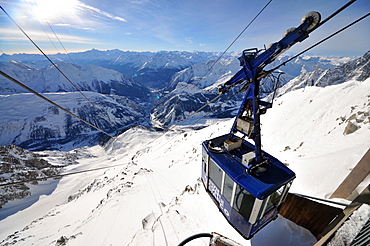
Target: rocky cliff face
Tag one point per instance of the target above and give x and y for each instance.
(17, 164)
(188, 100)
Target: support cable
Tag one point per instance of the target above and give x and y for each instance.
(237, 38)
(221, 57)
(65, 50)
(334, 14)
(219, 105)
(49, 101)
(42, 27)
(270, 71)
(105, 115)
(65, 76)
(323, 40)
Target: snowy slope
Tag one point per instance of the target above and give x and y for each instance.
(309, 129)
(154, 197)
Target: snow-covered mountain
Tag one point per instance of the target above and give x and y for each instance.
(358, 69)
(154, 196)
(32, 123)
(206, 74)
(84, 78)
(306, 63)
(114, 103)
(152, 69)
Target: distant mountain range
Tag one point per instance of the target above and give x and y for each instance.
(152, 69)
(83, 77)
(134, 88)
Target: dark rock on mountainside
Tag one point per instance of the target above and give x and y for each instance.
(17, 164)
(192, 105)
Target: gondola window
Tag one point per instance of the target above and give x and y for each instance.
(244, 202)
(228, 188)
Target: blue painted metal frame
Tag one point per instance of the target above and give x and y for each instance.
(266, 174)
(253, 63)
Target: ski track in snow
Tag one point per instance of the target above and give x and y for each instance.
(155, 197)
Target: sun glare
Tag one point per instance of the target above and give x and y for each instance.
(50, 10)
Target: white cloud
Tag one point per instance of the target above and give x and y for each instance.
(99, 11)
(62, 24)
(120, 19)
(189, 39)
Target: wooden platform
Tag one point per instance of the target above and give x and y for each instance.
(312, 215)
(329, 232)
(354, 178)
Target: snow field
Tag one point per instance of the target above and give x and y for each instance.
(305, 128)
(155, 197)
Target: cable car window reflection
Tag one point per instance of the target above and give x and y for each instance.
(228, 188)
(274, 199)
(215, 173)
(244, 202)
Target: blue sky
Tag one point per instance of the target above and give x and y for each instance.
(186, 25)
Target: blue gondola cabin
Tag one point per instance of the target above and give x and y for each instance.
(248, 201)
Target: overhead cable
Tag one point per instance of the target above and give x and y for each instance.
(104, 114)
(65, 76)
(311, 47)
(323, 40)
(237, 38)
(221, 57)
(334, 14)
(49, 101)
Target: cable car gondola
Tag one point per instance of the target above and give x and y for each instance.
(248, 184)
